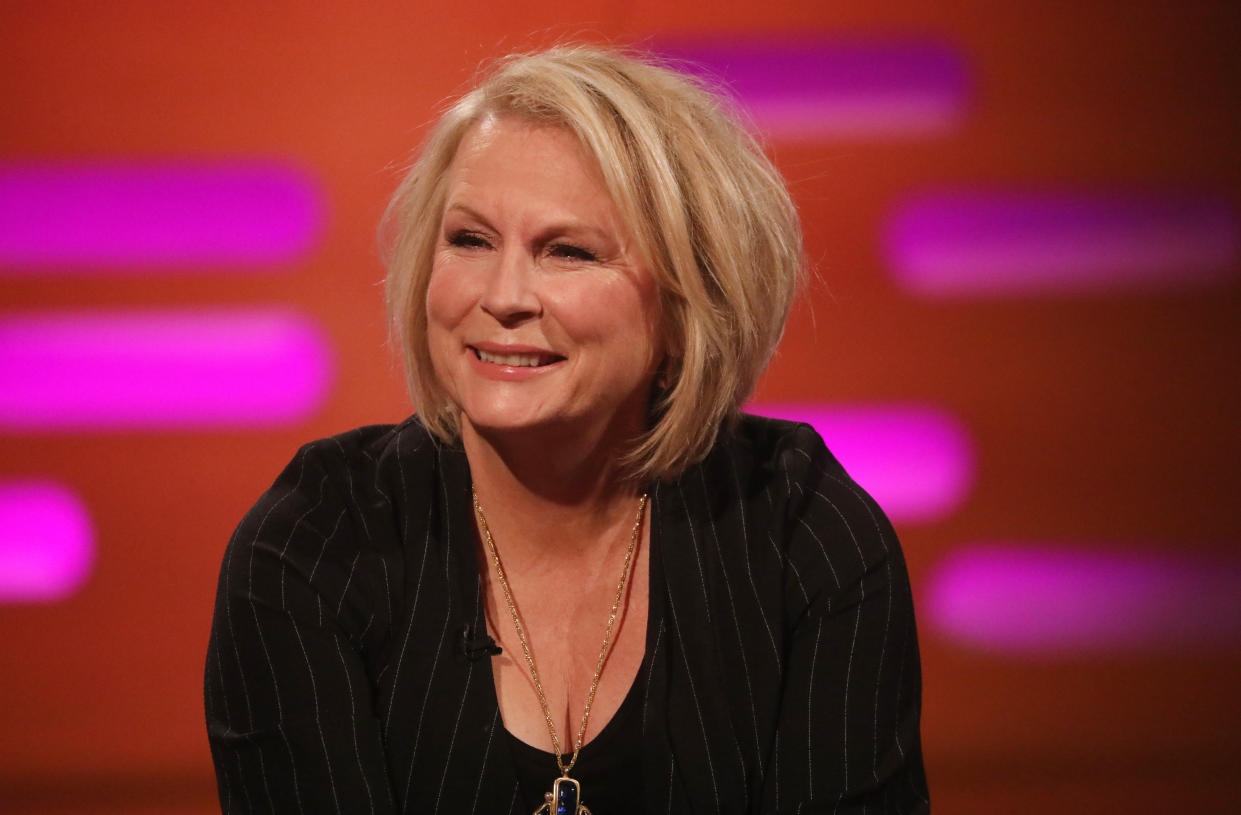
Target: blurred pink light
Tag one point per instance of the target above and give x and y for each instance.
(1044, 599)
(46, 542)
(126, 217)
(978, 244)
(917, 462)
(835, 88)
(93, 370)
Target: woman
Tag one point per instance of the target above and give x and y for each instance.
(577, 578)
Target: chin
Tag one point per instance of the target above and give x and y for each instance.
(493, 420)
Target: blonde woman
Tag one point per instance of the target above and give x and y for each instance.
(577, 579)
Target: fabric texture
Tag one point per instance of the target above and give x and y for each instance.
(782, 671)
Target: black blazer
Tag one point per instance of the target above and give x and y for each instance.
(782, 658)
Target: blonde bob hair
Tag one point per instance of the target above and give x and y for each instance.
(708, 213)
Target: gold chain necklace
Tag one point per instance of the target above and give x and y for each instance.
(566, 795)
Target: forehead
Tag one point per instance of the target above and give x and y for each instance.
(508, 160)
(504, 133)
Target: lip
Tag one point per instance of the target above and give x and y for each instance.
(511, 373)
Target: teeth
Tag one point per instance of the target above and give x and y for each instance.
(513, 360)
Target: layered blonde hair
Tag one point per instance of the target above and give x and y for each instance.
(709, 214)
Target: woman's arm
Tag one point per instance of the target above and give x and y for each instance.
(288, 700)
(848, 738)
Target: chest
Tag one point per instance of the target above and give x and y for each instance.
(565, 623)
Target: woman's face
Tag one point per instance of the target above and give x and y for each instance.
(540, 315)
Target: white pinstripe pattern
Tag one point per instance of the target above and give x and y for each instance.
(409, 625)
(785, 588)
(314, 689)
(422, 712)
(822, 549)
(250, 591)
(741, 646)
(297, 789)
(650, 672)
(353, 567)
(784, 561)
(353, 498)
(491, 734)
(241, 778)
(814, 657)
(706, 597)
(857, 624)
(387, 588)
(314, 569)
(706, 741)
(887, 623)
(899, 676)
(749, 566)
(263, 641)
(465, 692)
(844, 730)
(671, 768)
(353, 715)
(284, 550)
(881, 536)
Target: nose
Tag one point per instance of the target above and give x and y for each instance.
(510, 296)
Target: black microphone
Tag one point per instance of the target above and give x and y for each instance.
(477, 644)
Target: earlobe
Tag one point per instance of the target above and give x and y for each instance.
(664, 371)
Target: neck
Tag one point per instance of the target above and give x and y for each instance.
(546, 497)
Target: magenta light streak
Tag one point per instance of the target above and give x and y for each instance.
(979, 244)
(136, 216)
(836, 88)
(46, 542)
(94, 370)
(1046, 599)
(916, 461)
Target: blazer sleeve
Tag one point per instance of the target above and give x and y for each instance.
(848, 738)
(288, 701)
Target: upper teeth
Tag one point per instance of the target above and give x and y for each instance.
(515, 360)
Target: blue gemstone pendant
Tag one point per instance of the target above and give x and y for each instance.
(564, 799)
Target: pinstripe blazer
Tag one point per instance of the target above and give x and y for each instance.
(782, 660)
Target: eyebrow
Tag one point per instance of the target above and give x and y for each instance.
(470, 211)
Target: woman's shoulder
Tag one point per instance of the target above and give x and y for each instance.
(372, 447)
(811, 493)
(347, 482)
(387, 461)
(331, 525)
(788, 451)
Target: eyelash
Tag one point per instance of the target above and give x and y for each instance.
(567, 251)
(571, 252)
(468, 240)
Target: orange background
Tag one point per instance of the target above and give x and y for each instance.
(1109, 418)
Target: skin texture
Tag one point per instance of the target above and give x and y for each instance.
(533, 255)
(533, 259)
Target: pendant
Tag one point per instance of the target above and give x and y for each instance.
(564, 799)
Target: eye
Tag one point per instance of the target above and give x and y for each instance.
(466, 239)
(570, 252)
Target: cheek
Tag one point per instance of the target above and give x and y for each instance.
(621, 316)
(448, 300)
(447, 306)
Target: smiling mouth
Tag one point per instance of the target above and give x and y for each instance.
(536, 360)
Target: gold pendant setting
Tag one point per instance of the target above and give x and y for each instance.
(564, 799)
